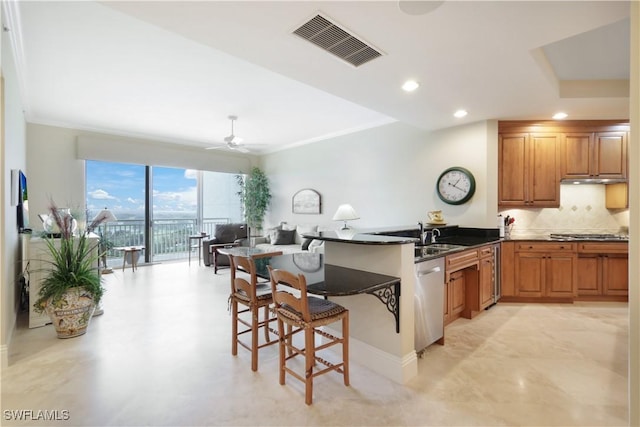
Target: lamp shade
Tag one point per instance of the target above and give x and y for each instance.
(105, 215)
(345, 213)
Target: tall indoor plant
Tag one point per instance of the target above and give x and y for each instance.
(72, 287)
(255, 196)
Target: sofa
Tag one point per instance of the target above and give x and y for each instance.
(234, 233)
(288, 239)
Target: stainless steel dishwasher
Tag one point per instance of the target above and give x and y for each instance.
(429, 303)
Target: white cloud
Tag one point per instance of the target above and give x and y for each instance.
(191, 174)
(101, 195)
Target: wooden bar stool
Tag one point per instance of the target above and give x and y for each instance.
(306, 314)
(252, 295)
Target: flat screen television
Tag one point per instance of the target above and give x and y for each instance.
(23, 203)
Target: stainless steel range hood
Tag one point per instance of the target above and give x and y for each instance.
(591, 181)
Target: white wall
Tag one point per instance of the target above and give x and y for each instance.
(13, 148)
(57, 172)
(387, 174)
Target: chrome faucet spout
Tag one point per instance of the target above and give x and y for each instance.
(434, 233)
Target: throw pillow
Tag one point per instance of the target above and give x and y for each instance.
(305, 244)
(305, 229)
(271, 233)
(314, 244)
(284, 237)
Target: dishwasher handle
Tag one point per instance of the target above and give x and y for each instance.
(429, 271)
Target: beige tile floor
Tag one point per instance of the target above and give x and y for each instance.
(160, 355)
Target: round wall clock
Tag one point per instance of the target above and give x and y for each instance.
(456, 185)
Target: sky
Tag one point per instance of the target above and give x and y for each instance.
(120, 188)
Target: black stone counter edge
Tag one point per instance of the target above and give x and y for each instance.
(453, 251)
(359, 238)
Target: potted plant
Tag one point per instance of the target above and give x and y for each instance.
(72, 287)
(255, 197)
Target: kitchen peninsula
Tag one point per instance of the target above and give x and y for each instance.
(374, 341)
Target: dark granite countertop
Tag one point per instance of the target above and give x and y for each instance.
(351, 236)
(326, 279)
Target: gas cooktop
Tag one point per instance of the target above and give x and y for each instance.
(586, 236)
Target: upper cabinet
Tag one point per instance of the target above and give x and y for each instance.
(533, 157)
(528, 169)
(596, 155)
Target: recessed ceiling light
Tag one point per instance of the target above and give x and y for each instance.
(560, 116)
(410, 85)
(460, 113)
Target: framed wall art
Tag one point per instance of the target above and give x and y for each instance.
(306, 201)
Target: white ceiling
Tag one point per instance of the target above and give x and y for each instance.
(174, 70)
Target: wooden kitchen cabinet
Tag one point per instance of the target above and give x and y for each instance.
(487, 276)
(596, 155)
(603, 271)
(545, 270)
(528, 170)
(461, 277)
(455, 296)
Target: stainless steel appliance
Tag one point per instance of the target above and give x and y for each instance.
(429, 299)
(497, 291)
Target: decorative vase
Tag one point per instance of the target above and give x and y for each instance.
(71, 313)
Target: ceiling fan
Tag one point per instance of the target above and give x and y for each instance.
(233, 142)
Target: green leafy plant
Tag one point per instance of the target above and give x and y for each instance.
(73, 263)
(255, 196)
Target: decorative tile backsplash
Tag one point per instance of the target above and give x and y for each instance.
(582, 210)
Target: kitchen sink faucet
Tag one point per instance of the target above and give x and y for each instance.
(434, 233)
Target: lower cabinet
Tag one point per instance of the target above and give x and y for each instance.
(469, 285)
(603, 271)
(545, 270)
(454, 298)
(487, 276)
(561, 271)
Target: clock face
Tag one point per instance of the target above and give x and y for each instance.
(456, 186)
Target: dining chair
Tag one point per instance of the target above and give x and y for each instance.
(253, 296)
(307, 314)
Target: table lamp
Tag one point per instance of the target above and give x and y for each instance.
(345, 213)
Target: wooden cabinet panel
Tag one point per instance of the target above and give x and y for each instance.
(603, 270)
(545, 269)
(617, 196)
(486, 281)
(512, 177)
(559, 271)
(603, 248)
(529, 274)
(611, 155)
(589, 282)
(594, 155)
(507, 269)
(615, 275)
(457, 290)
(545, 247)
(461, 260)
(577, 155)
(544, 181)
(528, 172)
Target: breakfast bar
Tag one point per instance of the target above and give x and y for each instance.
(379, 341)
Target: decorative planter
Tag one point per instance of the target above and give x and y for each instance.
(71, 313)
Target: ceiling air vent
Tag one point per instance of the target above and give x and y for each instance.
(325, 34)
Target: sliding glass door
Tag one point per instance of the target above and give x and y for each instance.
(159, 207)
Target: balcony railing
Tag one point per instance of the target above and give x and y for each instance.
(170, 237)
